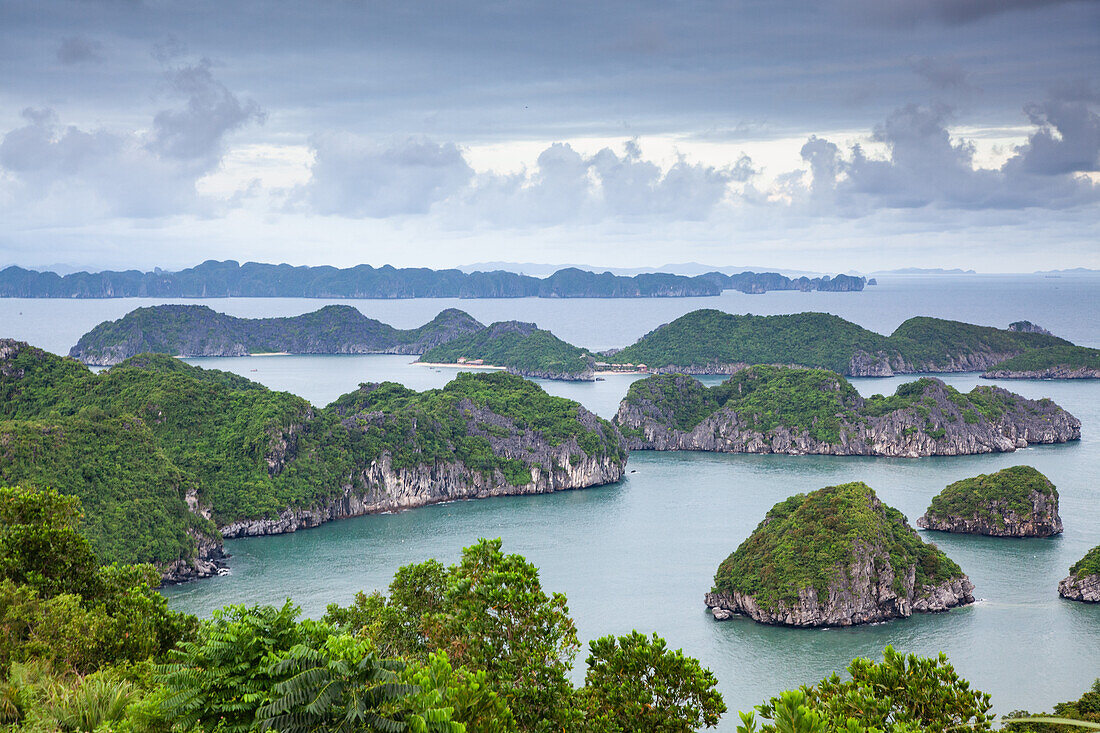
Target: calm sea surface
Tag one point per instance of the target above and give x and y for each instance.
(641, 553)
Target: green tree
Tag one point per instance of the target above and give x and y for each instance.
(343, 687)
(474, 703)
(635, 683)
(497, 618)
(220, 680)
(901, 693)
(41, 545)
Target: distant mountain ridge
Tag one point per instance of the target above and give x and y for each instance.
(213, 279)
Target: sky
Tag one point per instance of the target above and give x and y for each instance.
(833, 135)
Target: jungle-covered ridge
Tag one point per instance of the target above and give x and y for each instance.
(230, 279)
(712, 341)
(701, 342)
(161, 452)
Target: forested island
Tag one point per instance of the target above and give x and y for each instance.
(229, 279)
(196, 330)
(1051, 362)
(835, 557)
(701, 342)
(771, 409)
(1017, 501)
(714, 342)
(163, 455)
(521, 348)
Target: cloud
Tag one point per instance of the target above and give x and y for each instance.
(358, 178)
(60, 171)
(78, 49)
(196, 132)
(566, 187)
(926, 167)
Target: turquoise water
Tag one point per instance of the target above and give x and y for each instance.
(641, 553)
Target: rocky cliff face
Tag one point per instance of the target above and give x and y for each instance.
(997, 519)
(864, 593)
(939, 427)
(1085, 589)
(381, 487)
(393, 489)
(888, 364)
(1054, 372)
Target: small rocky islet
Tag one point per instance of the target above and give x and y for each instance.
(837, 556)
(1015, 502)
(1083, 581)
(797, 411)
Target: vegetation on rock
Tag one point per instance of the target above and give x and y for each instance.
(1051, 358)
(521, 347)
(705, 340)
(1087, 565)
(989, 498)
(794, 410)
(810, 540)
(196, 330)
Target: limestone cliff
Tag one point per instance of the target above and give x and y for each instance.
(1015, 502)
(835, 557)
(772, 410)
(1083, 582)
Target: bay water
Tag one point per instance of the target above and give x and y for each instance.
(640, 554)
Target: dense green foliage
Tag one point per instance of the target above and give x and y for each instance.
(710, 337)
(634, 683)
(810, 540)
(58, 606)
(931, 341)
(132, 493)
(1051, 357)
(133, 441)
(820, 403)
(1010, 489)
(435, 425)
(901, 694)
(707, 336)
(520, 347)
(1087, 565)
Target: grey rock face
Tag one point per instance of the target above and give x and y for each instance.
(864, 593)
(1085, 589)
(1054, 372)
(1041, 521)
(553, 468)
(900, 433)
